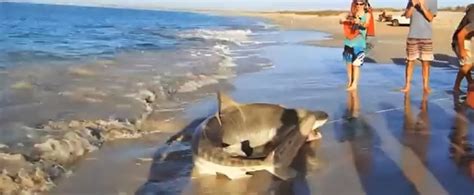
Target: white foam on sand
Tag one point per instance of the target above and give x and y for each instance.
(238, 37)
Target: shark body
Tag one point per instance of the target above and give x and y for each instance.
(243, 138)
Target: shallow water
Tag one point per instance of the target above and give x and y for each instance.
(38, 34)
(83, 63)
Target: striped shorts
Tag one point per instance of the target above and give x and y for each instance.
(419, 49)
(467, 46)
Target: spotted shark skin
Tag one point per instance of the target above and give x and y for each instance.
(273, 132)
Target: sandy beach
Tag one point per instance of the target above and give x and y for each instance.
(389, 41)
(377, 141)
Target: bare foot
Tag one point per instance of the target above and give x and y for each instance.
(352, 87)
(348, 84)
(427, 90)
(405, 89)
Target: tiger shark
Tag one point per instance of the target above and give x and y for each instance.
(243, 138)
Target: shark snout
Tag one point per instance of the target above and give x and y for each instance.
(321, 118)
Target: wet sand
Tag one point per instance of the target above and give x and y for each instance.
(378, 141)
(120, 167)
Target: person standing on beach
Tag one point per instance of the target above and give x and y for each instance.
(355, 43)
(461, 45)
(419, 44)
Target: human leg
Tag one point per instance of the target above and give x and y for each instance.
(356, 64)
(349, 75)
(465, 66)
(427, 57)
(408, 75)
(348, 55)
(413, 53)
(426, 76)
(355, 79)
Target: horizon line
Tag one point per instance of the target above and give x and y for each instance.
(173, 8)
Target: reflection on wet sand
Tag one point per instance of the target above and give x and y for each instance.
(359, 133)
(261, 182)
(361, 137)
(460, 150)
(416, 137)
(421, 124)
(399, 154)
(353, 105)
(172, 173)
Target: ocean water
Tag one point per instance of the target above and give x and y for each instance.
(40, 34)
(86, 63)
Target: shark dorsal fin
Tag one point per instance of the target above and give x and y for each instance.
(225, 102)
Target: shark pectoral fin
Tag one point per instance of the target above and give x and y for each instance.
(232, 175)
(283, 173)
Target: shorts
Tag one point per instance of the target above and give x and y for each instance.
(421, 49)
(467, 46)
(354, 55)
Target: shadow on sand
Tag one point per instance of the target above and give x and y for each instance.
(171, 166)
(373, 165)
(423, 135)
(441, 61)
(461, 151)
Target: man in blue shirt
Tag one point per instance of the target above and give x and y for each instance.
(419, 44)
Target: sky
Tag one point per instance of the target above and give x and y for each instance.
(239, 4)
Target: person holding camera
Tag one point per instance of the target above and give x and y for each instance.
(419, 44)
(355, 42)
